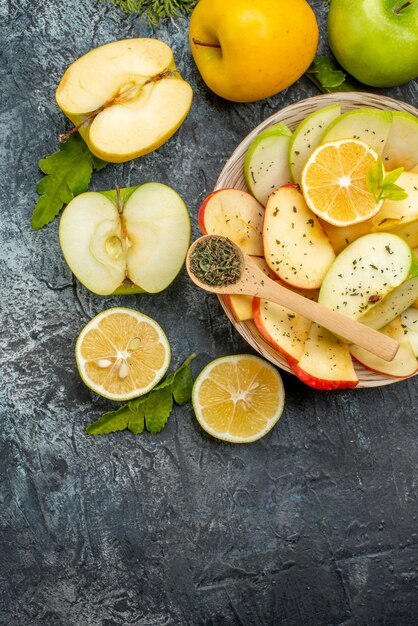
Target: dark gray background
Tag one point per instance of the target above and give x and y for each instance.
(316, 524)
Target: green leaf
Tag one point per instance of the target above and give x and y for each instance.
(327, 76)
(67, 174)
(151, 410)
(110, 422)
(392, 177)
(157, 409)
(155, 10)
(383, 187)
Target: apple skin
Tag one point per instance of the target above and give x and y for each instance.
(319, 383)
(373, 42)
(265, 45)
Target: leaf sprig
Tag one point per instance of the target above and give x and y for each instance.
(155, 10)
(326, 75)
(383, 186)
(67, 174)
(152, 410)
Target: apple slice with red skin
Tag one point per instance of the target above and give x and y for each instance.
(404, 364)
(241, 306)
(325, 362)
(295, 245)
(235, 214)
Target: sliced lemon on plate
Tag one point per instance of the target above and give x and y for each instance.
(334, 182)
(122, 354)
(238, 398)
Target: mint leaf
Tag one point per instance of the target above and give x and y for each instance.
(151, 410)
(67, 174)
(392, 177)
(383, 186)
(327, 76)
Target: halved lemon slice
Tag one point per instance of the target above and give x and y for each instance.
(334, 182)
(122, 354)
(238, 398)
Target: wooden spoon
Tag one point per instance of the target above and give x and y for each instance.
(253, 282)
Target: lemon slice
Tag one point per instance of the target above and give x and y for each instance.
(238, 398)
(122, 354)
(334, 182)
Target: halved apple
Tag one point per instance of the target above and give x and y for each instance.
(266, 164)
(401, 147)
(307, 137)
(325, 362)
(126, 243)
(403, 365)
(295, 245)
(234, 214)
(369, 125)
(126, 97)
(366, 272)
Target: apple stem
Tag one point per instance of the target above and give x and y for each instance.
(401, 8)
(203, 43)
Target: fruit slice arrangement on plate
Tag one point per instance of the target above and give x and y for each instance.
(327, 215)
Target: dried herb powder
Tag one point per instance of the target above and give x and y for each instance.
(216, 262)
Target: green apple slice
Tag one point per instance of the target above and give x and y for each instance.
(266, 164)
(127, 243)
(369, 125)
(401, 148)
(392, 305)
(409, 323)
(365, 272)
(307, 137)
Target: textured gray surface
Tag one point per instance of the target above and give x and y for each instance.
(314, 525)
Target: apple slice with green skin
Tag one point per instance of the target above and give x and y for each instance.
(307, 137)
(394, 213)
(266, 165)
(325, 362)
(403, 365)
(409, 323)
(295, 245)
(281, 328)
(234, 214)
(369, 125)
(366, 272)
(124, 243)
(126, 98)
(392, 305)
(401, 148)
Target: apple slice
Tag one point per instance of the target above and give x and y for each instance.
(126, 98)
(341, 236)
(296, 248)
(409, 323)
(369, 125)
(401, 148)
(266, 165)
(281, 328)
(365, 272)
(394, 213)
(307, 137)
(403, 365)
(392, 305)
(127, 244)
(234, 214)
(325, 362)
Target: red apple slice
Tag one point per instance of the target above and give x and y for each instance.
(234, 214)
(403, 365)
(295, 245)
(325, 362)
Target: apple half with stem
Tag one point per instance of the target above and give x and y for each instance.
(266, 165)
(234, 214)
(126, 241)
(126, 98)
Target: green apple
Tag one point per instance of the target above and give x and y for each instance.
(365, 272)
(307, 137)
(266, 165)
(375, 40)
(126, 98)
(124, 243)
(247, 50)
(401, 147)
(369, 125)
(396, 302)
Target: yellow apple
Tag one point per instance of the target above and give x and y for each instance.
(126, 98)
(247, 50)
